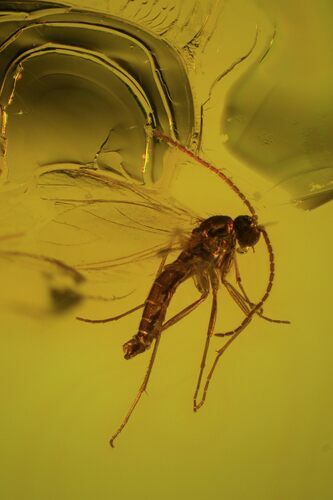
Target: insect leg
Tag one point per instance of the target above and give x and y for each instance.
(144, 384)
(218, 356)
(141, 390)
(246, 305)
(210, 330)
(242, 303)
(246, 297)
(239, 279)
(130, 311)
(237, 297)
(201, 282)
(187, 310)
(113, 318)
(234, 334)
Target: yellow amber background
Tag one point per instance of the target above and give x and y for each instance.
(265, 432)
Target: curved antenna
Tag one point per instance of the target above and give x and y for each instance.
(168, 140)
(271, 265)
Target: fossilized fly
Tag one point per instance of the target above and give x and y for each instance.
(207, 256)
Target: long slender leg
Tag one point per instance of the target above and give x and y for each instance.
(187, 310)
(239, 279)
(248, 309)
(240, 301)
(248, 305)
(257, 307)
(130, 311)
(221, 351)
(234, 334)
(141, 390)
(237, 297)
(246, 297)
(210, 330)
(144, 384)
(113, 318)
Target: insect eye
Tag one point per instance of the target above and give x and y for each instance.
(247, 231)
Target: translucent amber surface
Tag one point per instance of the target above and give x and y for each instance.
(90, 199)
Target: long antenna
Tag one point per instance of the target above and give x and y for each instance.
(165, 138)
(168, 140)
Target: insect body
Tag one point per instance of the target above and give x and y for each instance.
(207, 255)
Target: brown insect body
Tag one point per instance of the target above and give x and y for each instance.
(207, 257)
(208, 253)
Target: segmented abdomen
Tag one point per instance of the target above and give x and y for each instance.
(159, 298)
(157, 303)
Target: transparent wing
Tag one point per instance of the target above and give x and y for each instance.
(111, 230)
(107, 217)
(35, 284)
